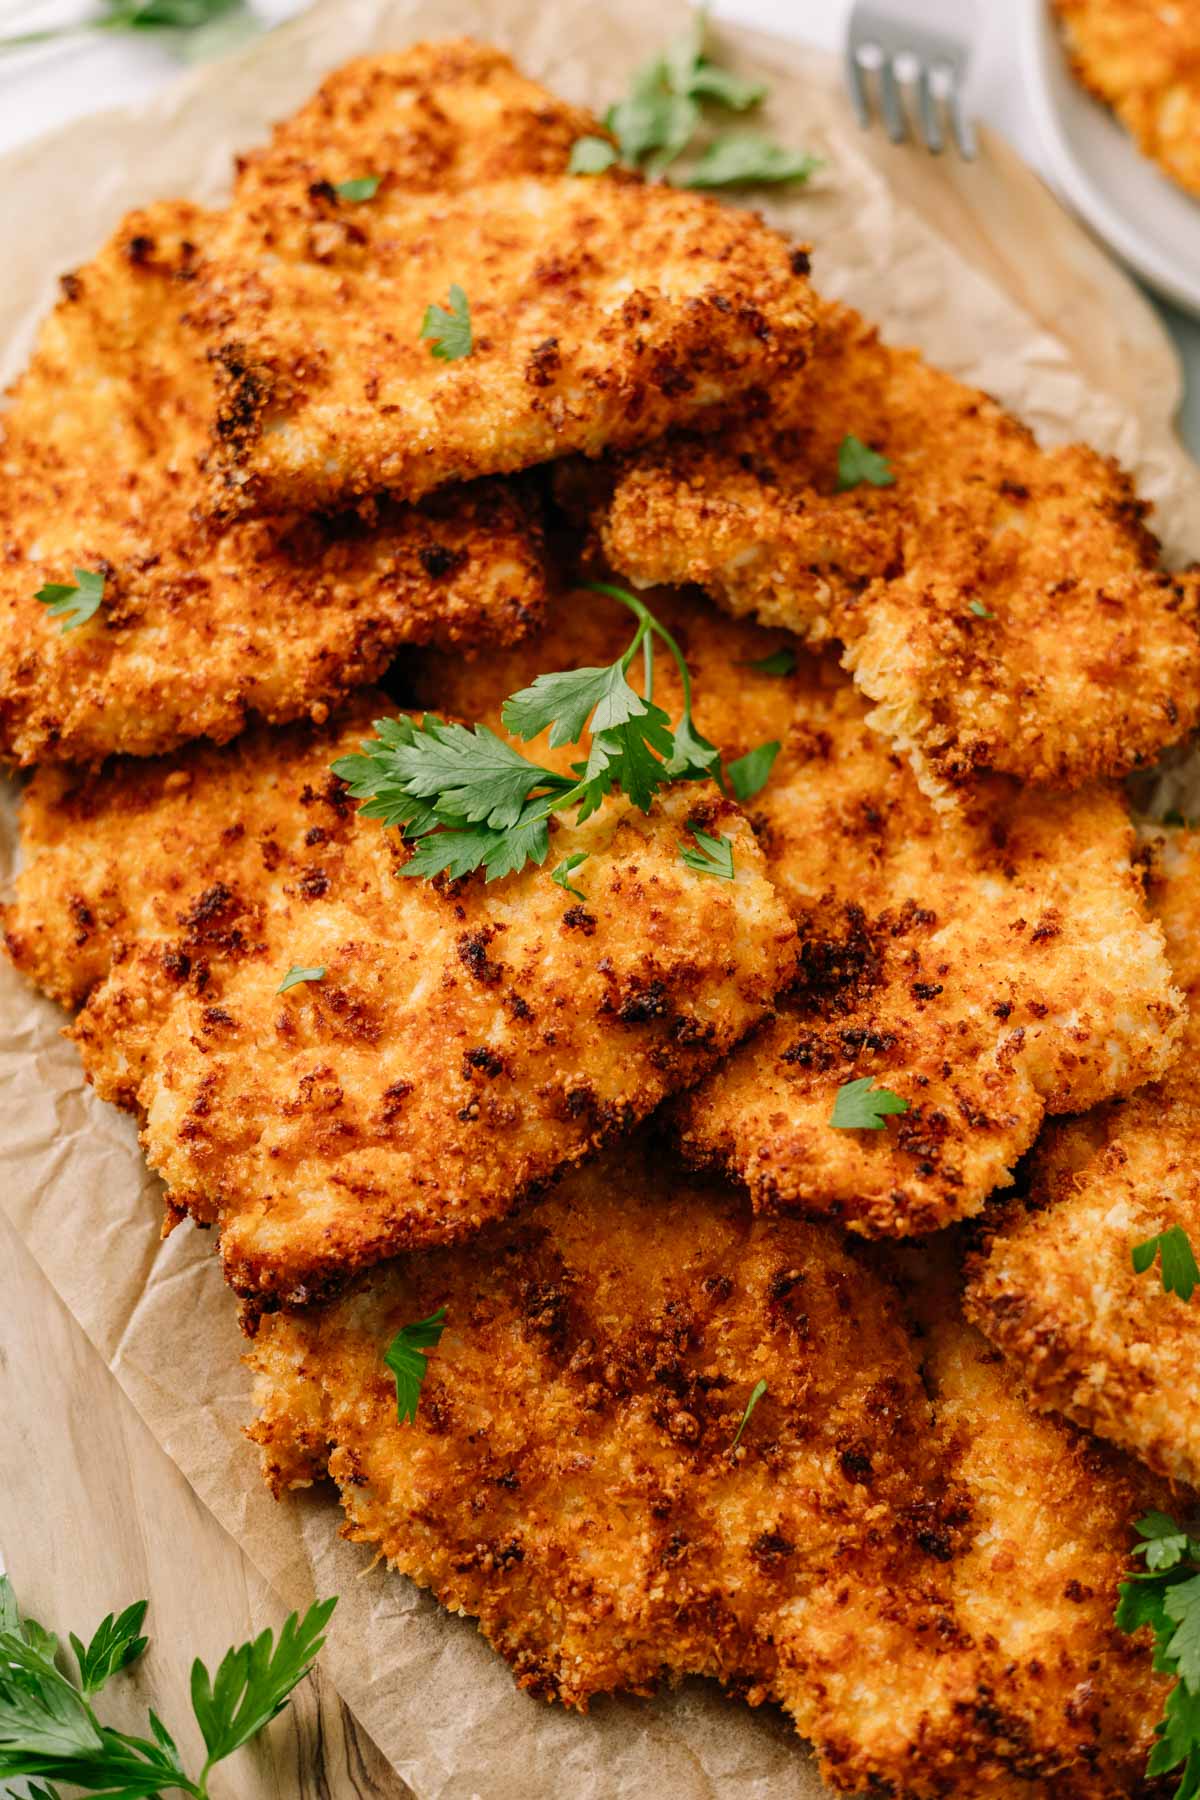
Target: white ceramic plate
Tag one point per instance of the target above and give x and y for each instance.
(1152, 224)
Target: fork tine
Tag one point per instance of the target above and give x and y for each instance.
(964, 131)
(931, 124)
(857, 82)
(895, 123)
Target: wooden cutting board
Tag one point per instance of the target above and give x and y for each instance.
(128, 1524)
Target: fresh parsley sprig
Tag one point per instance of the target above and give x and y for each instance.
(1173, 1249)
(1166, 1597)
(467, 800)
(406, 1356)
(658, 119)
(49, 1731)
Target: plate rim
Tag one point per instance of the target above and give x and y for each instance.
(1037, 44)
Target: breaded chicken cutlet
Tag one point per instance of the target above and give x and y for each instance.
(602, 309)
(1056, 1288)
(924, 1579)
(1142, 58)
(989, 965)
(101, 462)
(461, 1042)
(1001, 605)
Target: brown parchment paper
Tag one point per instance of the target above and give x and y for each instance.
(982, 270)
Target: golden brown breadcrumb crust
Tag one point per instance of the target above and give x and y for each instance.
(602, 309)
(100, 468)
(924, 1579)
(1000, 604)
(466, 1041)
(1142, 58)
(1055, 1287)
(989, 965)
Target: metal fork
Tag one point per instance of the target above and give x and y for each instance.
(922, 46)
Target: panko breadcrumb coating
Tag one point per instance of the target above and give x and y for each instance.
(1001, 605)
(924, 1580)
(100, 468)
(989, 965)
(602, 309)
(1055, 1287)
(1142, 58)
(465, 1042)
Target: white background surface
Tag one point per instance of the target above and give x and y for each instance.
(40, 89)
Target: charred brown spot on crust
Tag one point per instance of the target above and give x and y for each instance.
(578, 918)
(483, 1059)
(472, 949)
(439, 560)
(543, 364)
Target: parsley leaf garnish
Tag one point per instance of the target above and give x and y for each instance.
(749, 774)
(73, 602)
(449, 332)
(657, 120)
(470, 801)
(1173, 1248)
(756, 1394)
(1166, 1598)
(361, 187)
(562, 874)
(858, 463)
(980, 610)
(48, 1729)
(747, 156)
(115, 1644)
(591, 156)
(860, 1107)
(406, 1357)
(780, 662)
(714, 857)
(296, 975)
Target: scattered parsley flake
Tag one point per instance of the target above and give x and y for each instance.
(74, 603)
(756, 1394)
(1173, 1247)
(749, 774)
(48, 1729)
(743, 157)
(468, 800)
(858, 463)
(591, 156)
(780, 662)
(296, 975)
(361, 187)
(980, 610)
(449, 332)
(714, 857)
(1166, 1598)
(562, 874)
(406, 1357)
(860, 1107)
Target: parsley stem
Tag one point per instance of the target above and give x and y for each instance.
(648, 665)
(653, 625)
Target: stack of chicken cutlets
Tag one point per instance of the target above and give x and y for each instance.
(690, 1140)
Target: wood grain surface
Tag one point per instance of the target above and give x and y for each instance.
(74, 1452)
